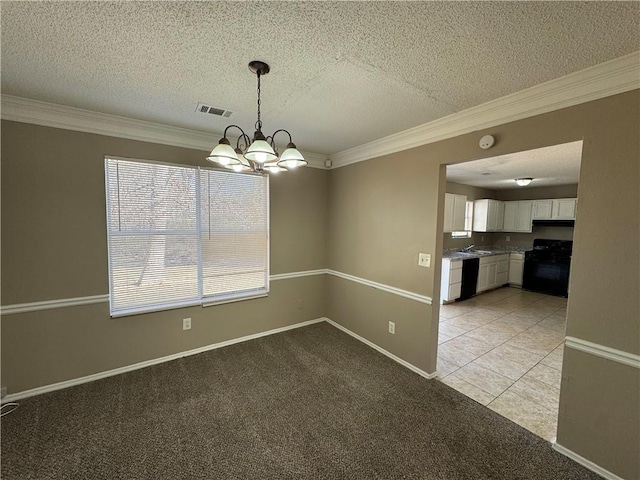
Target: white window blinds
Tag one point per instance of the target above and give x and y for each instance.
(234, 234)
(180, 235)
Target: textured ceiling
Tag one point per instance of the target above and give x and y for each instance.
(549, 166)
(343, 73)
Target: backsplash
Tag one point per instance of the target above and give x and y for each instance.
(517, 241)
(525, 240)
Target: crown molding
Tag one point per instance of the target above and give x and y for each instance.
(609, 78)
(25, 110)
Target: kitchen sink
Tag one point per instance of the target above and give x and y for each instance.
(472, 253)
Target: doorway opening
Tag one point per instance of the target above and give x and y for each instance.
(499, 343)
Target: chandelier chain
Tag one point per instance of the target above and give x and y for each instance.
(259, 122)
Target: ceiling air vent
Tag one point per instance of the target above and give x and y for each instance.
(220, 112)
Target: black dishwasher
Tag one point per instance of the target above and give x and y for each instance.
(470, 268)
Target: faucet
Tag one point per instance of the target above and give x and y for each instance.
(470, 247)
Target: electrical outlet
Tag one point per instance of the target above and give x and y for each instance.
(392, 328)
(300, 304)
(508, 238)
(424, 259)
(186, 324)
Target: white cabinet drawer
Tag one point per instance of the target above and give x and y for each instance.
(454, 291)
(455, 264)
(455, 276)
(502, 278)
(503, 266)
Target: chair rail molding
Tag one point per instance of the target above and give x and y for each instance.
(602, 351)
(72, 302)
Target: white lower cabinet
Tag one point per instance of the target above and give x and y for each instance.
(493, 273)
(516, 266)
(451, 281)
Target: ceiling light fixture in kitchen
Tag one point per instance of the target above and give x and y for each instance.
(523, 182)
(259, 154)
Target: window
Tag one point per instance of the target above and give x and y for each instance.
(468, 222)
(181, 236)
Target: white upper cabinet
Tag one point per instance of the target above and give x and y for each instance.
(564, 208)
(542, 209)
(487, 215)
(454, 212)
(555, 209)
(517, 216)
(523, 219)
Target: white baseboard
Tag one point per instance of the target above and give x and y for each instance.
(136, 366)
(588, 464)
(402, 362)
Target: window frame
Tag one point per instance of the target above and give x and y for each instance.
(202, 299)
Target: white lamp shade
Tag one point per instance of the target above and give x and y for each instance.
(242, 166)
(274, 167)
(260, 152)
(292, 158)
(224, 155)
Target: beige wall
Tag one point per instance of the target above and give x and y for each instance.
(384, 211)
(529, 193)
(375, 217)
(600, 412)
(54, 247)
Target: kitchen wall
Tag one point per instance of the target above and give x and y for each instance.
(525, 240)
(54, 247)
(477, 238)
(384, 211)
(534, 193)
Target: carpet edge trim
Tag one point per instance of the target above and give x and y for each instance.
(588, 464)
(402, 362)
(147, 363)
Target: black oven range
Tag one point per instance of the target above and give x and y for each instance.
(546, 267)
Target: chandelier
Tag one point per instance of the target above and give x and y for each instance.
(259, 154)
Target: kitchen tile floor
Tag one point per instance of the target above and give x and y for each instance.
(504, 349)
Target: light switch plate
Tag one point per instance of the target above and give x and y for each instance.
(424, 259)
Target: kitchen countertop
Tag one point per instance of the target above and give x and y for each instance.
(487, 251)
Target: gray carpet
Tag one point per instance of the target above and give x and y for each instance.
(311, 403)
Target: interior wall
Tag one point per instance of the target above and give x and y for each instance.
(54, 247)
(377, 228)
(378, 222)
(525, 240)
(536, 193)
